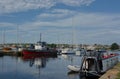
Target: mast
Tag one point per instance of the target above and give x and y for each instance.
(17, 35)
(73, 33)
(74, 38)
(40, 37)
(4, 37)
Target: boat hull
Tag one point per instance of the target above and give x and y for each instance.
(74, 68)
(39, 53)
(1, 54)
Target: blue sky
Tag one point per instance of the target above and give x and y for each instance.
(60, 21)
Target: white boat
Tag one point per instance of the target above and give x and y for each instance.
(74, 68)
(67, 51)
(79, 51)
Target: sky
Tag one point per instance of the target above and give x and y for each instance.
(60, 21)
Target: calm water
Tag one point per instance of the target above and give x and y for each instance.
(38, 68)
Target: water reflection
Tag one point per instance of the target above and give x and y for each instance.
(73, 75)
(38, 67)
(38, 62)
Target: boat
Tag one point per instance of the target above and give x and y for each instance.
(79, 51)
(1, 51)
(67, 51)
(74, 68)
(1, 54)
(95, 63)
(34, 55)
(39, 49)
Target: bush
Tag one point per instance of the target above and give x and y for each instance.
(114, 46)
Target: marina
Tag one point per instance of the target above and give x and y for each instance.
(39, 67)
(59, 39)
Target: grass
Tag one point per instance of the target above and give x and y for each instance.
(118, 68)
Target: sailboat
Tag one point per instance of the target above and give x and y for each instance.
(67, 51)
(5, 48)
(70, 50)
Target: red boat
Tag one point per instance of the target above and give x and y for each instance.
(27, 57)
(34, 52)
(39, 49)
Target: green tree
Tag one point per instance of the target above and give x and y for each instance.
(114, 46)
(52, 45)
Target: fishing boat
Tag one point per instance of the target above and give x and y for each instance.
(39, 49)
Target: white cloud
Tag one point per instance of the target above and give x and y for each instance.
(56, 14)
(10, 6)
(94, 27)
(91, 26)
(96, 20)
(77, 2)
(6, 24)
(85, 20)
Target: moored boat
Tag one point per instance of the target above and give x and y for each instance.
(67, 51)
(74, 68)
(34, 52)
(39, 49)
(1, 54)
(96, 63)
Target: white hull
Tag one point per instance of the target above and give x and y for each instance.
(67, 51)
(74, 68)
(77, 53)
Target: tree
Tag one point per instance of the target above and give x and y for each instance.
(114, 46)
(52, 45)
